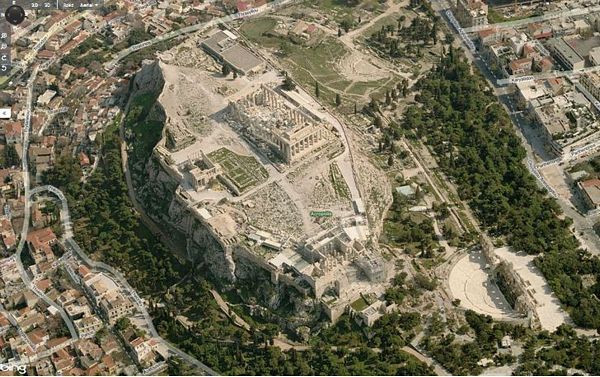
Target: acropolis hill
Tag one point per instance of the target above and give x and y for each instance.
(264, 182)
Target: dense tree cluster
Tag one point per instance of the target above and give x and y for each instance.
(412, 231)
(250, 354)
(84, 54)
(462, 358)
(472, 136)
(11, 157)
(555, 353)
(398, 41)
(105, 223)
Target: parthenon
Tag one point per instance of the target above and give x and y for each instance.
(271, 118)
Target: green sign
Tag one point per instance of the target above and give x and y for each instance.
(321, 213)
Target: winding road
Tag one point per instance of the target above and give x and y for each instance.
(27, 213)
(72, 246)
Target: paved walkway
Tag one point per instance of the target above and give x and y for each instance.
(472, 284)
(548, 307)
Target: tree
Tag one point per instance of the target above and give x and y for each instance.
(225, 69)
(122, 324)
(288, 83)
(338, 99)
(475, 127)
(374, 105)
(235, 74)
(317, 91)
(346, 24)
(100, 334)
(65, 174)
(404, 87)
(285, 48)
(138, 35)
(390, 160)
(177, 367)
(11, 156)
(339, 32)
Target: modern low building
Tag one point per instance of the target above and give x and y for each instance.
(594, 56)
(565, 54)
(575, 52)
(224, 47)
(554, 124)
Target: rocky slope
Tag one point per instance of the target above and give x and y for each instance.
(155, 191)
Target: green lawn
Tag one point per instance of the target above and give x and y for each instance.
(317, 62)
(360, 304)
(343, 9)
(495, 17)
(337, 180)
(392, 19)
(243, 171)
(255, 29)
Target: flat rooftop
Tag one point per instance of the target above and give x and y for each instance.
(225, 45)
(241, 58)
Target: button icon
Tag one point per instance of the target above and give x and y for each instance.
(5, 113)
(15, 14)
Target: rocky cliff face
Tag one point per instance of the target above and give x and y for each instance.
(155, 190)
(148, 79)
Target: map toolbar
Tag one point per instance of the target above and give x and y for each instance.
(4, 48)
(52, 4)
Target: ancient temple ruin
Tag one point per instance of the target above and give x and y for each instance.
(269, 117)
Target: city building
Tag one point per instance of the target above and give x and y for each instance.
(11, 131)
(565, 54)
(590, 190)
(115, 305)
(471, 13)
(573, 51)
(40, 244)
(144, 349)
(591, 82)
(88, 326)
(45, 98)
